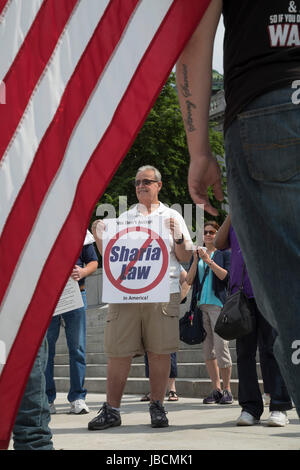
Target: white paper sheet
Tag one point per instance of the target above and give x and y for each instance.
(70, 298)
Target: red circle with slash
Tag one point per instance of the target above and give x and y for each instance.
(152, 236)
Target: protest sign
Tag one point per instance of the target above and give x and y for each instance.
(136, 261)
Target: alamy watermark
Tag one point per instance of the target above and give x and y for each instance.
(296, 94)
(296, 354)
(193, 215)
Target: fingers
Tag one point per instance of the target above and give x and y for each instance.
(218, 192)
(76, 273)
(205, 172)
(202, 253)
(201, 198)
(174, 226)
(211, 210)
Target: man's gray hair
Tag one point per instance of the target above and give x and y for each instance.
(149, 167)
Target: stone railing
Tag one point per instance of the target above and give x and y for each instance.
(94, 288)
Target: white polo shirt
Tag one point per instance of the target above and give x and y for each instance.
(166, 212)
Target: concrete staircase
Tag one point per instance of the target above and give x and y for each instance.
(192, 380)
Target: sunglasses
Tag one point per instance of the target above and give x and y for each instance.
(209, 232)
(144, 182)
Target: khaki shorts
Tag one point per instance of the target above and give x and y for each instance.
(214, 347)
(133, 329)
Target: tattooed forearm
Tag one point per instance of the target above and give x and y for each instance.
(185, 87)
(189, 121)
(185, 90)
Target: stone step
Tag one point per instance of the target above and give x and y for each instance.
(61, 348)
(98, 347)
(96, 333)
(194, 388)
(95, 330)
(193, 379)
(188, 370)
(97, 337)
(183, 356)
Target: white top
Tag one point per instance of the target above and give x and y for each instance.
(88, 238)
(166, 212)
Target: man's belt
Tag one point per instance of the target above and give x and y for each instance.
(82, 287)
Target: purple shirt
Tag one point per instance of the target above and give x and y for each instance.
(236, 268)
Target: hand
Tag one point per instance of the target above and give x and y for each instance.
(205, 172)
(203, 255)
(77, 273)
(98, 227)
(174, 226)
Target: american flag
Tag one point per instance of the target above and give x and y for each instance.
(79, 78)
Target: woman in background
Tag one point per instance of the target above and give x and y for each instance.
(208, 273)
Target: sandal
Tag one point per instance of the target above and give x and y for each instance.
(146, 397)
(172, 396)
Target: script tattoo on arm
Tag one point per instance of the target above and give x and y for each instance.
(189, 120)
(189, 104)
(185, 87)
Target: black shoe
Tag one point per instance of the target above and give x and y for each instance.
(158, 415)
(214, 397)
(106, 418)
(227, 398)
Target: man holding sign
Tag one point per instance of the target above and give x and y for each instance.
(133, 328)
(74, 321)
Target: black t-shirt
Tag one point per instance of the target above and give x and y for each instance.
(261, 50)
(88, 254)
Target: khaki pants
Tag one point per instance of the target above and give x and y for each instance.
(214, 347)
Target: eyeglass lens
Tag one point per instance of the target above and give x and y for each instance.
(144, 182)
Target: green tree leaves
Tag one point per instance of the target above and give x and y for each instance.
(162, 143)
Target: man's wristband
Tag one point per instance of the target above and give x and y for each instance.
(180, 240)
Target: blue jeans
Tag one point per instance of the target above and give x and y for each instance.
(31, 430)
(250, 398)
(75, 330)
(263, 169)
(173, 369)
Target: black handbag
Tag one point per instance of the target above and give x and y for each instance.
(191, 330)
(236, 318)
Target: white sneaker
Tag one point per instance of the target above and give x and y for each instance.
(277, 418)
(246, 419)
(79, 407)
(52, 408)
(266, 399)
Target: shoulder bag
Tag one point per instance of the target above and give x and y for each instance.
(235, 319)
(191, 330)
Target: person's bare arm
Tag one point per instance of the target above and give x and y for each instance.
(221, 273)
(221, 240)
(79, 272)
(193, 269)
(193, 77)
(185, 287)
